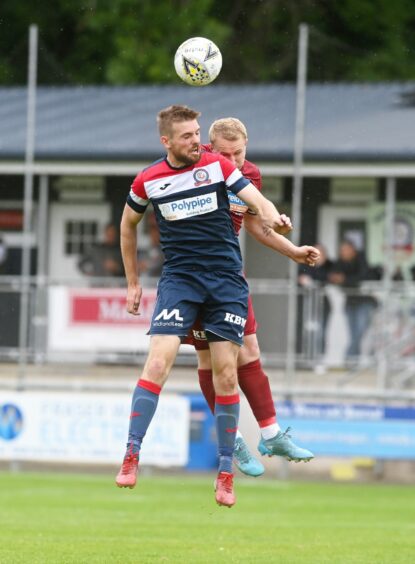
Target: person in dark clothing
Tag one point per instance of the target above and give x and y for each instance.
(151, 263)
(348, 272)
(103, 259)
(317, 276)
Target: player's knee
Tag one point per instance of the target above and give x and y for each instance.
(226, 381)
(156, 370)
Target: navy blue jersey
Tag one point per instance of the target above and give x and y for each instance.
(191, 205)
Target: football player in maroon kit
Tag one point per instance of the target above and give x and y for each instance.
(229, 137)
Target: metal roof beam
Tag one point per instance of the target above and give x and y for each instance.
(278, 170)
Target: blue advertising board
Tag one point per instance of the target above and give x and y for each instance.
(351, 430)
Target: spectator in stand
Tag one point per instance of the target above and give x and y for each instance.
(103, 259)
(152, 261)
(318, 276)
(349, 271)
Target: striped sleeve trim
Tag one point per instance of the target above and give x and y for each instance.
(233, 177)
(138, 204)
(237, 186)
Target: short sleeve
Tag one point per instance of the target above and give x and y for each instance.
(256, 179)
(252, 172)
(137, 198)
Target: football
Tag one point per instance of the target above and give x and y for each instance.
(198, 61)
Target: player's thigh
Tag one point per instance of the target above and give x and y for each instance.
(161, 356)
(249, 351)
(204, 361)
(178, 300)
(251, 325)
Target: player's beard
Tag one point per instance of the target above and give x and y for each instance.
(189, 157)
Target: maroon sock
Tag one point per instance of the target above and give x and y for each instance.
(206, 385)
(255, 385)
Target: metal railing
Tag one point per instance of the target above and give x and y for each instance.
(385, 346)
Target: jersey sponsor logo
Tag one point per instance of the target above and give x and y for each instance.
(166, 315)
(165, 186)
(235, 319)
(201, 176)
(189, 207)
(236, 204)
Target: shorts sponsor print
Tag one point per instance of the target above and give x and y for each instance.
(219, 299)
(197, 335)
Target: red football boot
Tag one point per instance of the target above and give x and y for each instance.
(224, 489)
(127, 476)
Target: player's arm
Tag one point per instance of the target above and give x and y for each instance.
(303, 255)
(268, 216)
(128, 236)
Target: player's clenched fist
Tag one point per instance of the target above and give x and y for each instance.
(284, 225)
(306, 255)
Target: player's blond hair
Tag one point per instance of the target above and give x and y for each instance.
(174, 114)
(229, 128)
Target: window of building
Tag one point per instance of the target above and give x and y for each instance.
(79, 235)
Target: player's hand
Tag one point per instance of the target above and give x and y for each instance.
(133, 298)
(307, 255)
(283, 225)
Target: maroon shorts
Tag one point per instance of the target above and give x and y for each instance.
(197, 337)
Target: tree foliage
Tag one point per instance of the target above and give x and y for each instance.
(133, 41)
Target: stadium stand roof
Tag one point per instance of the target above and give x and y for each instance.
(345, 122)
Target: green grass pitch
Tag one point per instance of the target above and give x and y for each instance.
(60, 518)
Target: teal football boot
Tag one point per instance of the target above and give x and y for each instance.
(244, 460)
(282, 445)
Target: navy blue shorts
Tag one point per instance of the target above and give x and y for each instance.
(220, 299)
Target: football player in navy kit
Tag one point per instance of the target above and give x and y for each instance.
(202, 275)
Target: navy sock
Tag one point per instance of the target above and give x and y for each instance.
(143, 407)
(227, 417)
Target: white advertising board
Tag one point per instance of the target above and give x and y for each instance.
(89, 427)
(95, 319)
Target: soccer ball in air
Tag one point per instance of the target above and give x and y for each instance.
(198, 61)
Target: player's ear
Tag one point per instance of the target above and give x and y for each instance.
(165, 141)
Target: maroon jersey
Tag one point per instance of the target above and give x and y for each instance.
(237, 206)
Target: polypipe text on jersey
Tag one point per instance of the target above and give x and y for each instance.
(192, 209)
